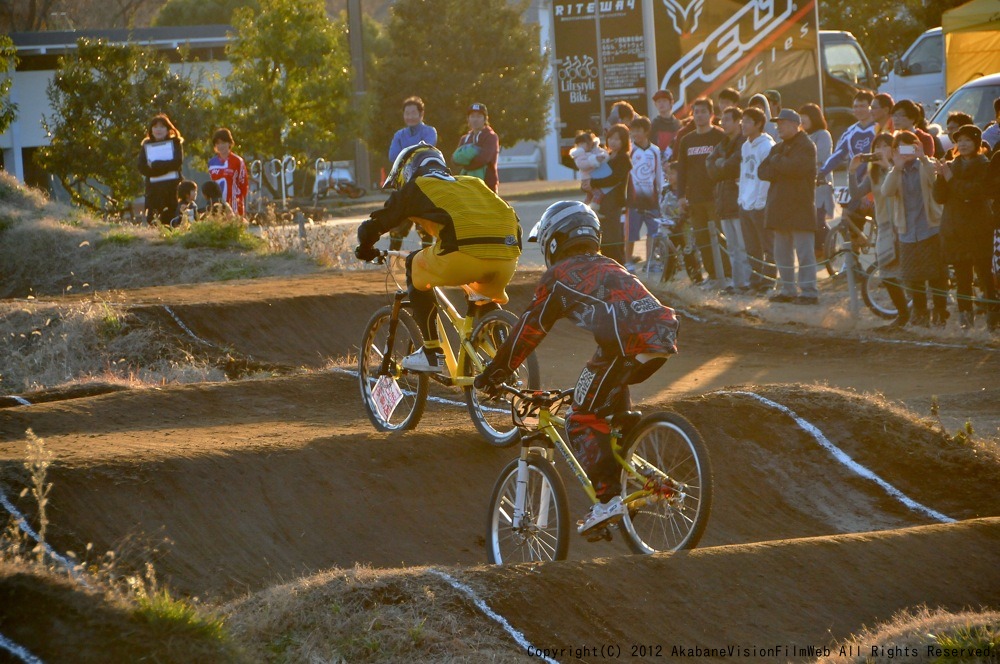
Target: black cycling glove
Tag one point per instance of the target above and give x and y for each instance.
(366, 252)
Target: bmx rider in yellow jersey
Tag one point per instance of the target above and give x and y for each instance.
(477, 239)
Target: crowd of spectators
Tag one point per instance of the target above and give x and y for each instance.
(760, 177)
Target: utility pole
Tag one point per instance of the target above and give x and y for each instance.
(361, 166)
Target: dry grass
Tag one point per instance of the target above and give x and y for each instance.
(906, 638)
(51, 249)
(329, 244)
(367, 615)
(48, 248)
(50, 344)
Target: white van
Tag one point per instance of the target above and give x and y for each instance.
(919, 74)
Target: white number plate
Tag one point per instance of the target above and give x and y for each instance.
(387, 396)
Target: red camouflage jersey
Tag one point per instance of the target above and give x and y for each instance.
(233, 178)
(600, 296)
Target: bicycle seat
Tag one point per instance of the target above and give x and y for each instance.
(475, 297)
(625, 420)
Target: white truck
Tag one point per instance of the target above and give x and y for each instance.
(919, 74)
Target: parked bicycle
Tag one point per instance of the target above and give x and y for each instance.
(334, 177)
(666, 483)
(395, 398)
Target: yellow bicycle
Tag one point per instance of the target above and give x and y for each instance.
(395, 398)
(666, 483)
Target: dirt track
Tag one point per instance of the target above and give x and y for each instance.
(263, 480)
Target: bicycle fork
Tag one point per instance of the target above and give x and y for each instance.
(397, 304)
(521, 491)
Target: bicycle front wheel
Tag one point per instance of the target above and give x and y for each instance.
(875, 295)
(543, 533)
(834, 251)
(662, 258)
(673, 461)
(374, 347)
(491, 415)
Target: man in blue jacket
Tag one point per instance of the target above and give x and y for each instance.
(414, 133)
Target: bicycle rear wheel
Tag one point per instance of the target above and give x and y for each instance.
(491, 415)
(875, 295)
(373, 348)
(672, 456)
(544, 531)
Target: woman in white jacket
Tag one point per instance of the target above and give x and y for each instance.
(753, 196)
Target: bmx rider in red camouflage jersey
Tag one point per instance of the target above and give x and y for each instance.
(634, 332)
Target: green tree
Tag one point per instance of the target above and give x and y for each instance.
(8, 60)
(103, 96)
(199, 12)
(289, 89)
(452, 53)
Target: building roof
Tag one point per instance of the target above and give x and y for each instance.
(54, 42)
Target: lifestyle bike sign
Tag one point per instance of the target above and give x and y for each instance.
(609, 51)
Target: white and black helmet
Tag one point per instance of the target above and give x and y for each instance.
(563, 225)
(415, 160)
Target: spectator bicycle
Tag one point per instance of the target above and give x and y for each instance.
(877, 298)
(664, 256)
(671, 249)
(666, 483)
(874, 294)
(858, 228)
(395, 398)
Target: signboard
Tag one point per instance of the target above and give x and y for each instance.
(750, 45)
(599, 49)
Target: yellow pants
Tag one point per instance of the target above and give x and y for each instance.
(486, 276)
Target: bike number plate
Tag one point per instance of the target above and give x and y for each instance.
(387, 396)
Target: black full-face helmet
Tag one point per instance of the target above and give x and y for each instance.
(419, 159)
(563, 225)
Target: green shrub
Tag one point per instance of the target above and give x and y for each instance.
(214, 233)
(170, 616)
(118, 238)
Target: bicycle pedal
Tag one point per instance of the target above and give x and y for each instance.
(602, 532)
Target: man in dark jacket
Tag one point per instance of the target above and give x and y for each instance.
(790, 211)
(724, 169)
(697, 195)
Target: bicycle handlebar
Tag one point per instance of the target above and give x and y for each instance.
(385, 254)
